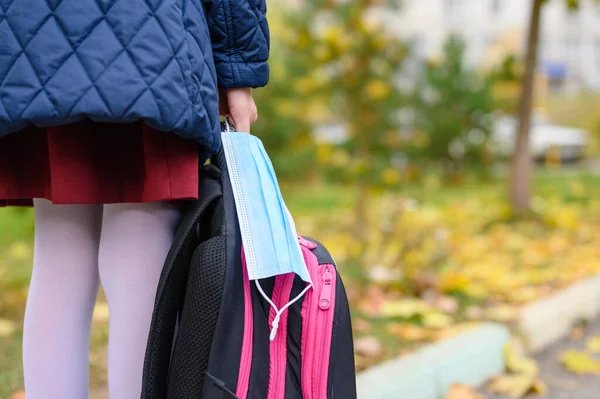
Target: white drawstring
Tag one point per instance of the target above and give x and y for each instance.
(279, 312)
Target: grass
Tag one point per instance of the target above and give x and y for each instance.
(317, 201)
(323, 198)
(11, 376)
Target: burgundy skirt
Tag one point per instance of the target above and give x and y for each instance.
(97, 163)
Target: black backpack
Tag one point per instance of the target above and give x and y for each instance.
(210, 333)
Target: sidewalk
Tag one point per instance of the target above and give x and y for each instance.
(561, 383)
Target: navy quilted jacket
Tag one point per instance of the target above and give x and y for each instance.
(124, 60)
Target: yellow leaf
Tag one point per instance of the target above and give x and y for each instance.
(517, 362)
(304, 40)
(404, 308)
(19, 251)
(516, 386)
(322, 53)
(454, 282)
(391, 176)
(593, 344)
(100, 312)
(7, 328)
(459, 391)
(407, 332)
(377, 90)
(324, 153)
(436, 320)
(539, 387)
(340, 158)
(579, 362)
(332, 34)
(501, 313)
(577, 189)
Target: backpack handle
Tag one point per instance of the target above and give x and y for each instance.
(218, 159)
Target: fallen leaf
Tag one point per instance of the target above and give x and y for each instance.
(593, 344)
(7, 328)
(516, 385)
(447, 304)
(539, 387)
(361, 326)
(449, 332)
(454, 282)
(501, 313)
(459, 391)
(361, 362)
(100, 312)
(19, 251)
(383, 275)
(436, 320)
(516, 361)
(580, 362)
(407, 332)
(474, 313)
(368, 347)
(577, 333)
(404, 308)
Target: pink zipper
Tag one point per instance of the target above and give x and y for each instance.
(246, 357)
(317, 318)
(278, 347)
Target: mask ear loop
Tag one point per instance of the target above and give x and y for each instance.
(279, 312)
(229, 126)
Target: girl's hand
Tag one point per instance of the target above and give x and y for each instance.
(239, 105)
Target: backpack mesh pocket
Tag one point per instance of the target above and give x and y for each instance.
(198, 319)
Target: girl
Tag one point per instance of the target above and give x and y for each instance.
(106, 109)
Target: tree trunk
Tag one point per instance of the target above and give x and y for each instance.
(520, 187)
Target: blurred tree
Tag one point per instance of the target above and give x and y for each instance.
(454, 106)
(520, 186)
(284, 123)
(346, 61)
(505, 79)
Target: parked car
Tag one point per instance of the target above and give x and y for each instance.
(568, 141)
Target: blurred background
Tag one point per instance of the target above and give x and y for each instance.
(446, 151)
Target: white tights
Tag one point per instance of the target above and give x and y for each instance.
(123, 246)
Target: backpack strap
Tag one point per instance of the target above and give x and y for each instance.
(172, 285)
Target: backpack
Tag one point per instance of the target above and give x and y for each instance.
(210, 332)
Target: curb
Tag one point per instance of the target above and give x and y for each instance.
(470, 358)
(475, 356)
(544, 322)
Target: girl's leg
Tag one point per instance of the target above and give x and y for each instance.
(133, 247)
(62, 294)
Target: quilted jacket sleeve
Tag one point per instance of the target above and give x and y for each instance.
(240, 41)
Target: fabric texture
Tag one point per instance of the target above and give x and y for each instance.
(160, 61)
(76, 246)
(81, 164)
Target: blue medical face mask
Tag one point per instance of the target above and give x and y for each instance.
(268, 232)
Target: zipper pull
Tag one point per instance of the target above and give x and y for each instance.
(325, 299)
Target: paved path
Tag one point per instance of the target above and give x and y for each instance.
(561, 383)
